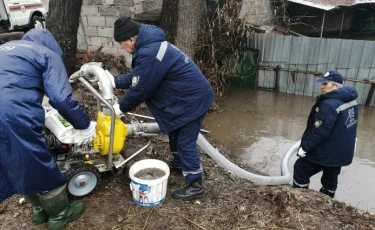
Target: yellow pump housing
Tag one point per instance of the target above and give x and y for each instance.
(102, 138)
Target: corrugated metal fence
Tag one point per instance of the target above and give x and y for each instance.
(290, 64)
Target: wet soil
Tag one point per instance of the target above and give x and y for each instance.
(231, 203)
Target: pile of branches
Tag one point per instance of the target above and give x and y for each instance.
(219, 41)
(109, 61)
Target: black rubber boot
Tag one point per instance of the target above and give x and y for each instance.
(39, 216)
(326, 192)
(61, 213)
(193, 190)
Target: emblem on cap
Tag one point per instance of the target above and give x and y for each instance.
(135, 80)
(317, 123)
(326, 75)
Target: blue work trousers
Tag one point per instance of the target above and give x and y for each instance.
(305, 169)
(184, 141)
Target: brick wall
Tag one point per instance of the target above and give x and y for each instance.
(98, 16)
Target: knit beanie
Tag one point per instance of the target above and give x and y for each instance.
(125, 28)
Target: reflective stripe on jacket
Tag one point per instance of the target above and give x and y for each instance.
(330, 135)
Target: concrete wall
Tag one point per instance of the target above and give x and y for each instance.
(257, 12)
(98, 16)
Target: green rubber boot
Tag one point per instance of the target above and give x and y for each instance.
(39, 216)
(60, 212)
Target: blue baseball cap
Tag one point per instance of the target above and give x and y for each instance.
(331, 76)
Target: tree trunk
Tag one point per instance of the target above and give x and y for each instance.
(169, 19)
(182, 20)
(63, 21)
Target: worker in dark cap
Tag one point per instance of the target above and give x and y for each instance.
(174, 89)
(328, 142)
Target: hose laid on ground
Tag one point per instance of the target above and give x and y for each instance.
(267, 180)
(149, 128)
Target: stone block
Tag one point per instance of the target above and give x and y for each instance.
(147, 10)
(138, 2)
(96, 21)
(123, 2)
(112, 43)
(110, 21)
(84, 21)
(81, 38)
(93, 48)
(256, 12)
(124, 11)
(109, 50)
(105, 32)
(152, 5)
(94, 2)
(90, 10)
(91, 31)
(136, 9)
(108, 2)
(81, 47)
(99, 41)
(108, 10)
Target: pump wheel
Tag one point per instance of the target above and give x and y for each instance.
(82, 180)
(37, 22)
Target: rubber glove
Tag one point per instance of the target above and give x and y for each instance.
(88, 134)
(301, 152)
(118, 111)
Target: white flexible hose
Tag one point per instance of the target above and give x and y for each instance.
(267, 180)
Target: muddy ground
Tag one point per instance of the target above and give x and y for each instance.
(231, 203)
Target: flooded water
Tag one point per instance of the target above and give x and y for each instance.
(260, 126)
(150, 174)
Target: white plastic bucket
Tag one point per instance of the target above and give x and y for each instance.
(149, 192)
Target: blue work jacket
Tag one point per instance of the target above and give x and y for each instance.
(31, 68)
(171, 84)
(330, 135)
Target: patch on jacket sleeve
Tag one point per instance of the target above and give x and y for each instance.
(317, 123)
(135, 80)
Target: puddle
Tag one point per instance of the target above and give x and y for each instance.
(260, 126)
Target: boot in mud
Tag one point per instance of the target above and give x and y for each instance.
(193, 190)
(60, 212)
(39, 216)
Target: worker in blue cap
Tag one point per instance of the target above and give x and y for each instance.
(328, 142)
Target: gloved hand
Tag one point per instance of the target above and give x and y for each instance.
(111, 78)
(301, 152)
(88, 134)
(118, 111)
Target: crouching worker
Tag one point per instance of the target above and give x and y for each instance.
(174, 89)
(31, 68)
(328, 142)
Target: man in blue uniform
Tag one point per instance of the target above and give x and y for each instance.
(31, 68)
(174, 89)
(329, 139)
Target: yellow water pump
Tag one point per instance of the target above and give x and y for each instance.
(102, 138)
